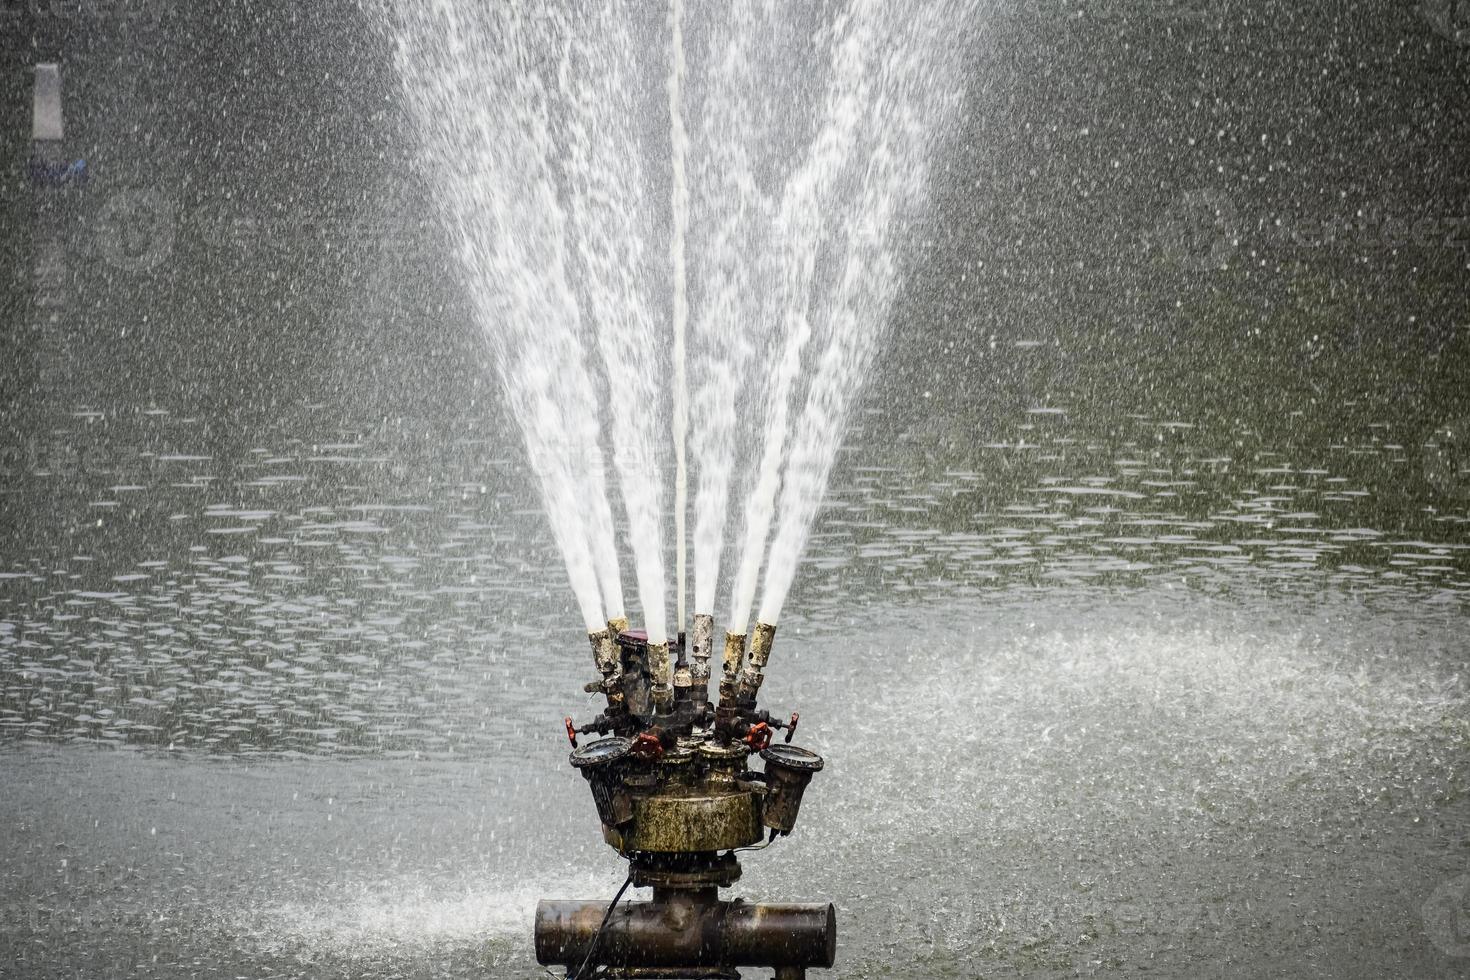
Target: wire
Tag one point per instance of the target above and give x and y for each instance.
(758, 847)
(592, 947)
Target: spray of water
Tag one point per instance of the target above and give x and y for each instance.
(601, 82)
(679, 152)
(814, 127)
(896, 126)
(512, 235)
(732, 261)
(811, 195)
(897, 112)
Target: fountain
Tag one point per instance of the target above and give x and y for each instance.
(784, 205)
(677, 798)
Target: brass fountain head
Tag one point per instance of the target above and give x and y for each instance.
(677, 796)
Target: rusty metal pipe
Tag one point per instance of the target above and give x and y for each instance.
(730, 679)
(703, 637)
(610, 666)
(690, 930)
(683, 675)
(611, 663)
(761, 641)
(661, 677)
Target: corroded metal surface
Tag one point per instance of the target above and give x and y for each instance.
(760, 644)
(760, 654)
(690, 818)
(788, 771)
(724, 762)
(703, 641)
(677, 798)
(734, 654)
(661, 675)
(609, 665)
(688, 930)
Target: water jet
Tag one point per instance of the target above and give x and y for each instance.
(783, 260)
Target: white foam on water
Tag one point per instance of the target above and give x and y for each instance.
(370, 919)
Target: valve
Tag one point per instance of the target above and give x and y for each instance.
(571, 731)
(647, 746)
(791, 726)
(759, 736)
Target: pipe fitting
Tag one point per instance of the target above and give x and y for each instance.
(703, 637)
(660, 677)
(687, 930)
(730, 679)
(760, 654)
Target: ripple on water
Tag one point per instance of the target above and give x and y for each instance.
(338, 608)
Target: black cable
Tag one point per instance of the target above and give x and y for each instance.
(592, 947)
(758, 847)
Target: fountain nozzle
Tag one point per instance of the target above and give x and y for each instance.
(760, 655)
(703, 637)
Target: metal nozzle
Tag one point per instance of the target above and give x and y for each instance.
(760, 644)
(734, 654)
(703, 635)
(609, 665)
(618, 624)
(602, 764)
(660, 675)
(704, 641)
(683, 676)
(760, 655)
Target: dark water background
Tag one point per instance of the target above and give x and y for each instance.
(1133, 629)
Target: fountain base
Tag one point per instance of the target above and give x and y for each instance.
(686, 931)
(676, 797)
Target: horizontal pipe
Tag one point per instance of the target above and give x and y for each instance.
(687, 933)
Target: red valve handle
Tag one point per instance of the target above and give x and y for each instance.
(647, 746)
(759, 736)
(571, 732)
(791, 727)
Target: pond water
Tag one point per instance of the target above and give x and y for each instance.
(1132, 627)
(1147, 704)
